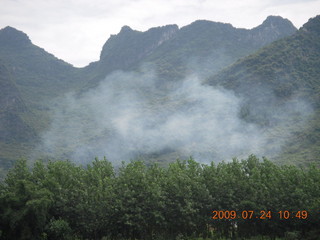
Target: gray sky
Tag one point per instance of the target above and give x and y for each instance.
(75, 30)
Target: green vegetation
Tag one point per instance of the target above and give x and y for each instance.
(286, 70)
(206, 47)
(30, 78)
(202, 47)
(60, 200)
(34, 80)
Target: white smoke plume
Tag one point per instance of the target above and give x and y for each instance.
(132, 114)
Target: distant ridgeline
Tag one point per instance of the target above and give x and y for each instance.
(269, 68)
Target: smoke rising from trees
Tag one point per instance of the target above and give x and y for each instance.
(131, 114)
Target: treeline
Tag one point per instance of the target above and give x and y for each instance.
(61, 200)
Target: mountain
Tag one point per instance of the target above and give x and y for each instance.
(273, 28)
(33, 81)
(173, 54)
(12, 126)
(203, 46)
(126, 49)
(38, 74)
(141, 44)
(286, 70)
(30, 78)
(206, 47)
(14, 129)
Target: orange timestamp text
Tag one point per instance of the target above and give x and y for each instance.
(263, 214)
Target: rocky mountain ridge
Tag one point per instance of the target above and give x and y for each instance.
(203, 46)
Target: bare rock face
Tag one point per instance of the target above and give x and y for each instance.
(135, 45)
(273, 28)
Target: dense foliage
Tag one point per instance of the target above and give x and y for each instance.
(61, 200)
(286, 70)
(29, 79)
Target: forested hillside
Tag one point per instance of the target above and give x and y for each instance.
(41, 81)
(287, 70)
(30, 78)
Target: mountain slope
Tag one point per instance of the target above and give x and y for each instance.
(38, 80)
(287, 70)
(38, 75)
(206, 47)
(126, 49)
(167, 56)
(14, 124)
(30, 78)
(203, 46)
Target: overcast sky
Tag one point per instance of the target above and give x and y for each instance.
(75, 30)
